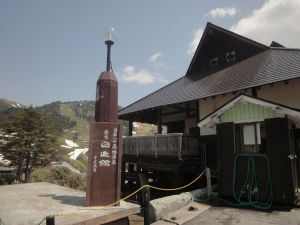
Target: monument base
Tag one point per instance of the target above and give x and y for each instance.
(104, 164)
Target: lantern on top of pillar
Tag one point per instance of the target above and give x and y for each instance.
(105, 145)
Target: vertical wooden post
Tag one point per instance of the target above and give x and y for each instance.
(145, 203)
(159, 122)
(50, 220)
(188, 109)
(130, 127)
(208, 181)
(105, 148)
(197, 110)
(131, 186)
(178, 178)
(146, 197)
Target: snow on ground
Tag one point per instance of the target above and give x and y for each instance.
(135, 125)
(77, 152)
(71, 144)
(65, 146)
(16, 106)
(4, 161)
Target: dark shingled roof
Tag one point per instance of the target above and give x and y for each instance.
(272, 65)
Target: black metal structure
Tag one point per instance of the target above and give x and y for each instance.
(109, 43)
(280, 150)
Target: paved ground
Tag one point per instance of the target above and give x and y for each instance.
(28, 204)
(213, 215)
(226, 216)
(183, 215)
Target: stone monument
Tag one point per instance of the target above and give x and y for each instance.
(105, 143)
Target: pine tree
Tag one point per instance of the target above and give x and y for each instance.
(28, 140)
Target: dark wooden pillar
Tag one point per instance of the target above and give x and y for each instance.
(50, 220)
(197, 110)
(130, 128)
(105, 154)
(187, 108)
(159, 122)
(145, 202)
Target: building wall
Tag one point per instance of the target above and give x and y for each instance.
(280, 92)
(285, 94)
(211, 104)
(247, 111)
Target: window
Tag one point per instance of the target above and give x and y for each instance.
(230, 56)
(251, 134)
(249, 138)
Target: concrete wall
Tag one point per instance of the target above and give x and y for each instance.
(285, 94)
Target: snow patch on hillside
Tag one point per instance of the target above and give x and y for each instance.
(4, 161)
(77, 152)
(65, 146)
(17, 105)
(71, 144)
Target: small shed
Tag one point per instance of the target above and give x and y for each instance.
(256, 146)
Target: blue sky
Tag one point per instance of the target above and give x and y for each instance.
(52, 50)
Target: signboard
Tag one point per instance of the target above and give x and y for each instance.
(104, 165)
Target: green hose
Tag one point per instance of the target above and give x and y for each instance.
(250, 184)
(1, 222)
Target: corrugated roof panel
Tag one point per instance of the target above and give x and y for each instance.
(270, 66)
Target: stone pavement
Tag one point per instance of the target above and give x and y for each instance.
(225, 215)
(214, 215)
(28, 204)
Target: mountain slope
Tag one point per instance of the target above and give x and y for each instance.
(8, 104)
(8, 108)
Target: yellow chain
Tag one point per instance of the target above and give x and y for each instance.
(128, 196)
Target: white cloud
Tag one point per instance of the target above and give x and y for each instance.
(276, 20)
(222, 12)
(130, 75)
(158, 64)
(155, 56)
(194, 43)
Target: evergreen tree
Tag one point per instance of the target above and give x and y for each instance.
(28, 140)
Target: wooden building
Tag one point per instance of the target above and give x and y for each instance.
(225, 68)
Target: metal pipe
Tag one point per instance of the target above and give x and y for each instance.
(108, 62)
